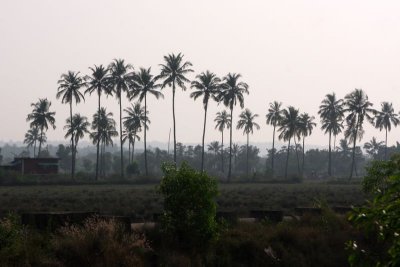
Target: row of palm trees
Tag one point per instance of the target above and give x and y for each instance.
(120, 79)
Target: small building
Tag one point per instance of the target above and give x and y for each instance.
(26, 165)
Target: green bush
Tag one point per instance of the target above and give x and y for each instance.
(188, 219)
(379, 219)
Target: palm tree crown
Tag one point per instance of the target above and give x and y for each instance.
(246, 122)
(384, 120)
(69, 86)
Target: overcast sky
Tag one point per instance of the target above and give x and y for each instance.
(290, 51)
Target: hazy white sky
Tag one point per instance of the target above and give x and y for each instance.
(291, 51)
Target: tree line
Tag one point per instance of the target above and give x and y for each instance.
(119, 79)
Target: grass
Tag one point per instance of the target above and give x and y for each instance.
(143, 200)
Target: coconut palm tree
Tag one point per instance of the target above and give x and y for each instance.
(214, 147)
(384, 120)
(77, 128)
(232, 92)
(358, 108)
(68, 89)
(246, 122)
(103, 121)
(372, 147)
(306, 126)
(131, 135)
(274, 116)
(223, 120)
(120, 80)
(144, 83)
(41, 118)
(31, 137)
(206, 85)
(98, 82)
(288, 129)
(331, 114)
(174, 72)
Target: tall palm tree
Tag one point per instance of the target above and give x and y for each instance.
(131, 135)
(207, 86)
(98, 82)
(307, 124)
(331, 114)
(384, 120)
(77, 128)
(372, 147)
(41, 118)
(120, 79)
(274, 117)
(223, 120)
(144, 83)
(246, 122)
(68, 89)
(358, 108)
(232, 92)
(31, 137)
(173, 73)
(103, 127)
(288, 129)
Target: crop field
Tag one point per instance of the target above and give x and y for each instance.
(143, 200)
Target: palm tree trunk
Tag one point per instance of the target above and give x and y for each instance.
(302, 166)
(129, 151)
(34, 149)
(40, 141)
(330, 155)
(98, 143)
(173, 119)
(287, 160)
(297, 156)
(120, 134)
(222, 152)
(133, 146)
(204, 134)
(353, 156)
(386, 144)
(145, 126)
(230, 147)
(247, 157)
(72, 143)
(273, 150)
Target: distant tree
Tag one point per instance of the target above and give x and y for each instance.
(135, 120)
(274, 117)
(207, 86)
(373, 147)
(31, 137)
(131, 135)
(144, 83)
(214, 147)
(331, 113)
(120, 80)
(306, 125)
(76, 128)
(384, 120)
(232, 92)
(358, 108)
(246, 122)
(41, 118)
(174, 72)
(68, 89)
(103, 120)
(98, 82)
(64, 154)
(223, 120)
(288, 129)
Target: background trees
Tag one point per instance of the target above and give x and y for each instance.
(41, 118)
(207, 86)
(232, 92)
(174, 72)
(384, 120)
(274, 117)
(223, 120)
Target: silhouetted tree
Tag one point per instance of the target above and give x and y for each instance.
(231, 93)
(173, 73)
(31, 137)
(274, 117)
(223, 120)
(306, 125)
(76, 128)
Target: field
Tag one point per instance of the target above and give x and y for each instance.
(143, 200)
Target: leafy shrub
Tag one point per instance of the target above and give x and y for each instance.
(188, 220)
(379, 219)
